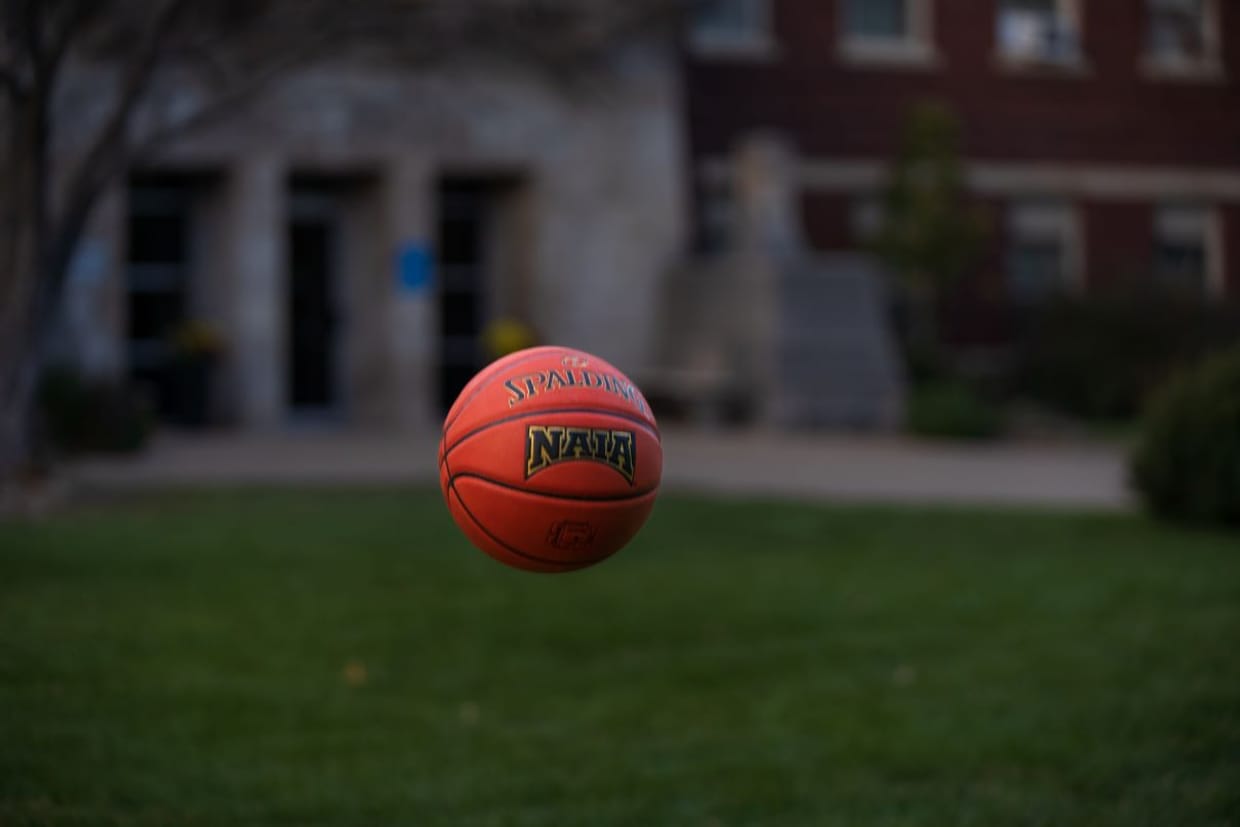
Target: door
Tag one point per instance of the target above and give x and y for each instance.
(312, 374)
(158, 269)
(465, 225)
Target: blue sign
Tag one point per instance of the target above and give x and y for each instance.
(414, 268)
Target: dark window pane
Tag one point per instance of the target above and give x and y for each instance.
(460, 314)
(157, 239)
(1035, 270)
(154, 315)
(1182, 265)
(886, 19)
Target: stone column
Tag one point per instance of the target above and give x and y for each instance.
(767, 196)
(769, 241)
(413, 323)
(256, 252)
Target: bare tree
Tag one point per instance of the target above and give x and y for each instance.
(227, 50)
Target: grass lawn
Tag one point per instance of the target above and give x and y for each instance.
(344, 658)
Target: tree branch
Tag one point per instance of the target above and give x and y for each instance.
(105, 158)
(242, 89)
(74, 19)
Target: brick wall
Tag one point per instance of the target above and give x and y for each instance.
(1108, 113)
(1118, 241)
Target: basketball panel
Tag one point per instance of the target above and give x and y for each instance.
(489, 372)
(552, 529)
(561, 379)
(575, 454)
(488, 544)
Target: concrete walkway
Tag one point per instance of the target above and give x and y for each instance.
(837, 468)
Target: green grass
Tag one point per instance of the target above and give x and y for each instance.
(329, 658)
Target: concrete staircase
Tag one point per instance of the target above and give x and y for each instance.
(836, 361)
(804, 340)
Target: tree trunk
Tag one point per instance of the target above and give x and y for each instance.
(20, 365)
(27, 307)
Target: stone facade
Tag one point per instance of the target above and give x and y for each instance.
(583, 188)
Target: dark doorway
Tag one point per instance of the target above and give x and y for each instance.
(313, 241)
(158, 268)
(466, 212)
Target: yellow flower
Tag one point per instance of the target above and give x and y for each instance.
(197, 338)
(504, 336)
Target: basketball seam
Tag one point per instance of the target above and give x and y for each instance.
(465, 404)
(568, 566)
(634, 495)
(636, 420)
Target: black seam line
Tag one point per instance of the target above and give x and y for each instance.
(491, 379)
(629, 478)
(637, 420)
(532, 558)
(632, 495)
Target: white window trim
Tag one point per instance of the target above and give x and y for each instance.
(755, 45)
(1208, 69)
(1212, 241)
(1073, 66)
(916, 50)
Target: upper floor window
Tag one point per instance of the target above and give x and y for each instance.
(732, 28)
(1044, 32)
(1187, 250)
(1182, 36)
(886, 31)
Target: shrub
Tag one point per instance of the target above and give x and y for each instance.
(82, 415)
(1101, 358)
(1187, 463)
(953, 410)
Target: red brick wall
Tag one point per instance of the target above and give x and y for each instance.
(1111, 114)
(827, 219)
(1119, 238)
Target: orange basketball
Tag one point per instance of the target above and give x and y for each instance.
(550, 460)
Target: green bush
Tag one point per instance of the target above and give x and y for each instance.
(81, 415)
(953, 410)
(1101, 358)
(1187, 463)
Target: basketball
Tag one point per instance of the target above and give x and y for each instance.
(550, 460)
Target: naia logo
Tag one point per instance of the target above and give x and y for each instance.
(547, 445)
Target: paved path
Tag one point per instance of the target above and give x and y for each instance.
(841, 468)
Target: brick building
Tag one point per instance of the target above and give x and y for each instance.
(1101, 137)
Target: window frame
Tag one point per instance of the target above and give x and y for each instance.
(1069, 12)
(757, 43)
(1209, 67)
(1035, 220)
(916, 49)
(1202, 223)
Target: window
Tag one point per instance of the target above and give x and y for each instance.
(1039, 31)
(1187, 252)
(732, 27)
(159, 261)
(1182, 36)
(877, 19)
(716, 217)
(866, 217)
(886, 31)
(1043, 251)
